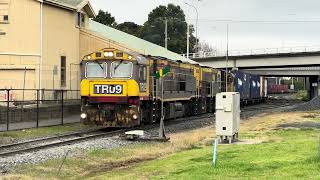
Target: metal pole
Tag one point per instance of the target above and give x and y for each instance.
(53, 72)
(62, 107)
(188, 40)
(70, 76)
(38, 107)
(161, 129)
(24, 83)
(227, 58)
(166, 33)
(8, 108)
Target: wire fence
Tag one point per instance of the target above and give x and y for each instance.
(30, 108)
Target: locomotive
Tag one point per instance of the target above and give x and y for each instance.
(121, 89)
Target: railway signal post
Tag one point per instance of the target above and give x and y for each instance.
(160, 75)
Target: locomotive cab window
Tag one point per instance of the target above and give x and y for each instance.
(95, 70)
(121, 69)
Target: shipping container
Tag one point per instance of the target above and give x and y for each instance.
(242, 84)
(255, 86)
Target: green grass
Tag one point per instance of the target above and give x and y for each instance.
(291, 154)
(294, 156)
(43, 131)
(302, 95)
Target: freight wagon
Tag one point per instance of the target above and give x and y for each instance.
(250, 86)
(278, 89)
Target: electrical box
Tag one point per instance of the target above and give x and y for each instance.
(228, 115)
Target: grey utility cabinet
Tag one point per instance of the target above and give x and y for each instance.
(228, 116)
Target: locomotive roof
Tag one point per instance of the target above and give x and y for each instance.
(135, 43)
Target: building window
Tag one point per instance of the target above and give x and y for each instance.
(5, 18)
(4, 11)
(63, 71)
(80, 19)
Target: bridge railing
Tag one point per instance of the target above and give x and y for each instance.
(251, 52)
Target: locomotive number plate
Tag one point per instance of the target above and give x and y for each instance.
(108, 89)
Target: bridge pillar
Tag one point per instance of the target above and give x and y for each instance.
(314, 88)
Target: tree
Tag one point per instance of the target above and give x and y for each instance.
(154, 29)
(130, 28)
(105, 18)
(205, 47)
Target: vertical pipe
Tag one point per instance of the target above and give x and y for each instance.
(41, 45)
(70, 76)
(8, 108)
(53, 79)
(62, 106)
(214, 158)
(38, 107)
(24, 82)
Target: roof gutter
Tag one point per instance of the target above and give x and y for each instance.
(61, 5)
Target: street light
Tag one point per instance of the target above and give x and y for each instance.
(196, 24)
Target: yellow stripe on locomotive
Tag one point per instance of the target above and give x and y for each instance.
(95, 88)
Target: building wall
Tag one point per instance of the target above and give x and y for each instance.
(61, 38)
(20, 45)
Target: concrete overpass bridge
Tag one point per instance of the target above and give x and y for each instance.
(290, 62)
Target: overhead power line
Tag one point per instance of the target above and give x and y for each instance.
(258, 21)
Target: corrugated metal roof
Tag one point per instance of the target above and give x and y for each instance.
(135, 43)
(71, 3)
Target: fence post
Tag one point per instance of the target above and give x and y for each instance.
(62, 107)
(8, 108)
(38, 94)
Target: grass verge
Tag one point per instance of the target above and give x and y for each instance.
(284, 153)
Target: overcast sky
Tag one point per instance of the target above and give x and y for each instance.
(255, 23)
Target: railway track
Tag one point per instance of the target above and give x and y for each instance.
(270, 105)
(72, 138)
(54, 141)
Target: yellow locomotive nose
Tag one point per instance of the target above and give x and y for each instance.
(109, 88)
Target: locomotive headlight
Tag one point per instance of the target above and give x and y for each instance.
(83, 115)
(89, 57)
(108, 54)
(135, 116)
(130, 57)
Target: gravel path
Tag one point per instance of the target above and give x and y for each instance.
(313, 105)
